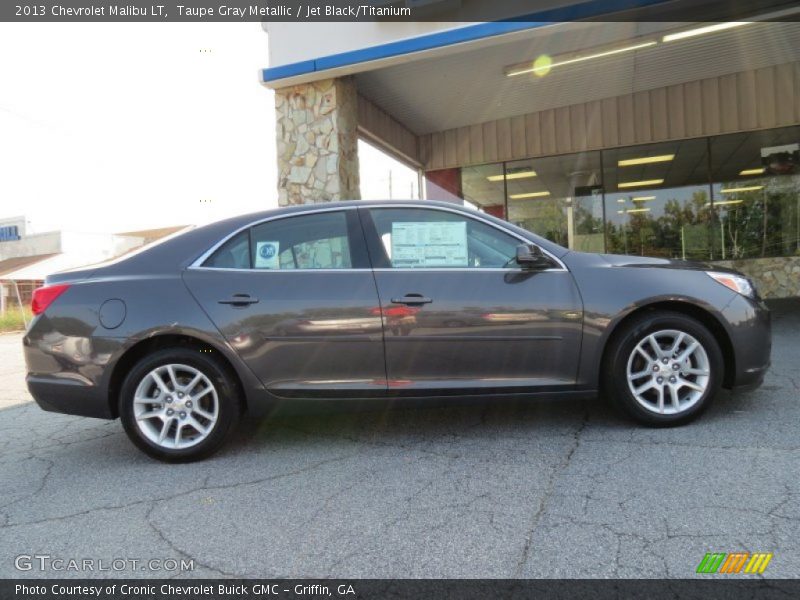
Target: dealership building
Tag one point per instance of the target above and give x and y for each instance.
(664, 139)
(26, 258)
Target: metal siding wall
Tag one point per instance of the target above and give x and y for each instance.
(548, 127)
(518, 137)
(594, 124)
(784, 88)
(711, 106)
(758, 99)
(642, 121)
(504, 139)
(382, 127)
(625, 120)
(533, 135)
(462, 139)
(490, 142)
(577, 129)
(765, 94)
(660, 115)
(437, 151)
(693, 108)
(729, 103)
(450, 147)
(476, 148)
(795, 100)
(609, 125)
(746, 91)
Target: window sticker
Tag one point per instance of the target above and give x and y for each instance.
(267, 255)
(429, 244)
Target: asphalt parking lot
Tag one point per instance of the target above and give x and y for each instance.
(495, 489)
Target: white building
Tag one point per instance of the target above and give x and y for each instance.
(26, 259)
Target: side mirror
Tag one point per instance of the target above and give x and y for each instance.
(530, 256)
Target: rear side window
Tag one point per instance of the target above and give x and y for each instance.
(316, 241)
(233, 254)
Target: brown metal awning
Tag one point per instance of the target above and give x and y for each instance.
(20, 262)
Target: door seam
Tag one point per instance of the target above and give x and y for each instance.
(380, 302)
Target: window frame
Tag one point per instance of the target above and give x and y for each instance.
(380, 258)
(248, 237)
(368, 235)
(348, 235)
(359, 257)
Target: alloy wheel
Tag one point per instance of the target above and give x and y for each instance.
(175, 406)
(668, 372)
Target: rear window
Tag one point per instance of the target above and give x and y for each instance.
(313, 241)
(233, 254)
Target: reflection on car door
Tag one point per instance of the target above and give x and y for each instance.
(459, 314)
(296, 298)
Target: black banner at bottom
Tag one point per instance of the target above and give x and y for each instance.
(381, 589)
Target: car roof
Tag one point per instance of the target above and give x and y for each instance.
(183, 249)
(297, 208)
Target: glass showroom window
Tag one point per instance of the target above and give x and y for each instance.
(658, 200)
(482, 187)
(757, 193)
(558, 197)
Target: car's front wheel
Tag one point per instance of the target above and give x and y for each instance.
(664, 368)
(179, 404)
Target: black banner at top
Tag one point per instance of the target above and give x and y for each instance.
(395, 10)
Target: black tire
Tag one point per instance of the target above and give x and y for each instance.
(229, 405)
(622, 345)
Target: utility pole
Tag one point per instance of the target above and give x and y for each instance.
(683, 243)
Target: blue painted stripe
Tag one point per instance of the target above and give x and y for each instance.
(399, 48)
(584, 10)
(290, 70)
(428, 42)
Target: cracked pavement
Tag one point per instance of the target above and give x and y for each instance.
(494, 489)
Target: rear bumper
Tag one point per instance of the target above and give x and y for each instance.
(68, 364)
(751, 339)
(67, 396)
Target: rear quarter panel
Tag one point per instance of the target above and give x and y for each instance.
(68, 343)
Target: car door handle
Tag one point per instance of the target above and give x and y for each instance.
(412, 299)
(239, 300)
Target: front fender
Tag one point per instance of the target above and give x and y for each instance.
(612, 294)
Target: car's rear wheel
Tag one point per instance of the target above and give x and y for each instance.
(664, 368)
(178, 405)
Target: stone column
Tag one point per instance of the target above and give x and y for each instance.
(317, 131)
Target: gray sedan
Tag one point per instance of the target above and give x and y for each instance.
(381, 300)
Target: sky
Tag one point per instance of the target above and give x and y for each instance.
(118, 127)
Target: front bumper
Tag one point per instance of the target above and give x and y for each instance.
(750, 330)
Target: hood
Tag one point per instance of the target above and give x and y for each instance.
(623, 260)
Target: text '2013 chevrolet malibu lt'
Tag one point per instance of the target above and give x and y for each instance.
(378, 300)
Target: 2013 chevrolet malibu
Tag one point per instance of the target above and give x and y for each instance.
(381, 300)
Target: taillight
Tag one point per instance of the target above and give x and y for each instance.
(44, 296)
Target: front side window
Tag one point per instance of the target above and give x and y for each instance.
(316, 241)
(414, 238)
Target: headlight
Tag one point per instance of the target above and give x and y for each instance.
(737, 283)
